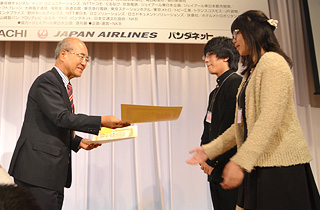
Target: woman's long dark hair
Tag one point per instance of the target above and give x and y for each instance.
(257, 33)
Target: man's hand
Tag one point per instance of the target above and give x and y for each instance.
(199, 157)
(206, 168)
(232, 176)
(88, 146)
(111, 121)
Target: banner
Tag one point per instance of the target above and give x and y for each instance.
(151, 21)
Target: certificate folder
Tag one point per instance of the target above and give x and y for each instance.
(107, 135)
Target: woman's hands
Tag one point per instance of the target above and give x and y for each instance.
(232, 176)
(199, 157)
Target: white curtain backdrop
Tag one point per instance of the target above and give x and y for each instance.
(149, 172)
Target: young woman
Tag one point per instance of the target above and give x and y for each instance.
(272, 162)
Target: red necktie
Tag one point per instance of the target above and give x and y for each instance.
(70, 94)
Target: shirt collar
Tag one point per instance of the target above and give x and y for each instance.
(224, 76)
(63, 76)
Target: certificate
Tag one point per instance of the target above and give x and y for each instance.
(141, 114)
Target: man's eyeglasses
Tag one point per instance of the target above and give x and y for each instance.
(80, 55)
(207, 55)
(235, 33)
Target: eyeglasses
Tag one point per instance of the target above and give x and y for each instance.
(235, 33)
(207, 55)
(82, 56)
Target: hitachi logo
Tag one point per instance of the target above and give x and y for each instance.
(13, 33)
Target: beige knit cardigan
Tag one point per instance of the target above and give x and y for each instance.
(274, 137)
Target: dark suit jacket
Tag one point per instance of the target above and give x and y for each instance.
(42, 156)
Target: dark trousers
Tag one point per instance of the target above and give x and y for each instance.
(46, 199)
(223, 199)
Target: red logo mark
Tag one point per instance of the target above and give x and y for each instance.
(43, 33)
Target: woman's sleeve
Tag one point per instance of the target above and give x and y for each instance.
(221, 144)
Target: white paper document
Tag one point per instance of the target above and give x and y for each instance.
(107, 135)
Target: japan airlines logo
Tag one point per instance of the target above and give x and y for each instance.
(43, 33)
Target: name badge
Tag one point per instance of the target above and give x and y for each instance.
(239, 116)
(209, 117)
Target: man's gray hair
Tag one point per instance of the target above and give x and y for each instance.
(65, 44)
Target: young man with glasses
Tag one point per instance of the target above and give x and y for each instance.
(221, 58)
(41, 161)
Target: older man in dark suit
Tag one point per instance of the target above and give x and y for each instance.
(41, 161)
